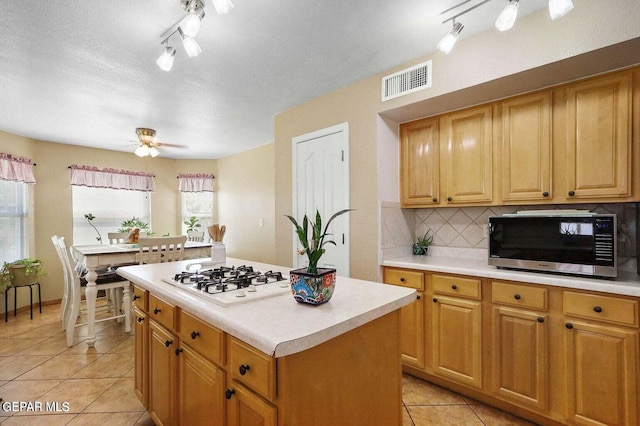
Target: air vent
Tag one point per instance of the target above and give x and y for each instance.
(406, 81)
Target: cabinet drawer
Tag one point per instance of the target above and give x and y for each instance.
(140, 298)
(457, 286)
(519, 295)
(206, 339)
(252, 367)
(161, 311)
(404, 278)
(602, 308)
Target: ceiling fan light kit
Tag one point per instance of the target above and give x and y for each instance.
(187, 28)
(505, 21)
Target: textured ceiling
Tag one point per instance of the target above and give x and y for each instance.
(84, 72)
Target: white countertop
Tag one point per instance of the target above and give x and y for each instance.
(279, 325)
(627, 283)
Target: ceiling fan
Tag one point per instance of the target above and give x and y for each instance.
(149, 143)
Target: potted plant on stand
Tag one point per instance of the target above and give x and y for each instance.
(20, 272)
(422, 246)
(313, 285)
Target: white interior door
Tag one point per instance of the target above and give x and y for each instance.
(321, 181)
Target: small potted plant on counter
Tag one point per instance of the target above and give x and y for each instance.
(422, 246)
(313, 285)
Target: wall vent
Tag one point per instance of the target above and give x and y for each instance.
(409, 80)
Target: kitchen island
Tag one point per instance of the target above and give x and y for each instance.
(272, 361)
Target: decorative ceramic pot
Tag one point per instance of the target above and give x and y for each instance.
(420, 251)
(314, 289)
(20, 277)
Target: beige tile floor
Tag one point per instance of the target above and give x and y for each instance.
(94, 386)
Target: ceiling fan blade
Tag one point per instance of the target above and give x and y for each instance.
(169, 145)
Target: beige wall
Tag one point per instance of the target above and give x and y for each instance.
(51, 195)
(245, 196)
(485, 67)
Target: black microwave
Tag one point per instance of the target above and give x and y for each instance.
(582, 244)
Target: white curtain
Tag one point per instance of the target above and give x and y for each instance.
(18, 169)
(195, 183)
(111, 178)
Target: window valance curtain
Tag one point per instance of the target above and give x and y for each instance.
(195, 183)
(111, 178)
(17, 169)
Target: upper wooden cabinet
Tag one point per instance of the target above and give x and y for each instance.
(420, 181)
(525, 148)
(598, 159)
(467, 147)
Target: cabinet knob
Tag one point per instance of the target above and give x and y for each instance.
(449, 199)
(194, 334)
(517, 297)
(545, 194)
(156, 311)
(136, 297)
(540, 319)
(178, 350)
(402, 279)
(435, 200)
(140, 320)
(569, 325)
(418, 297)
(229, 393)
(454, 287)
(597, 309)
(572, 193)
(435, 300)
(243, 369)
(168, 343)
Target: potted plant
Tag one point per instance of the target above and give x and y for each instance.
(313, 285)
(421, 247)
(20, 272)
(133, 223)
(192, 224)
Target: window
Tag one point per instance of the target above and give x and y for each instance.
(110, 207)
(200, 205)
(14, 220)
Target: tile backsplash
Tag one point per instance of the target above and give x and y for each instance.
(466, 227)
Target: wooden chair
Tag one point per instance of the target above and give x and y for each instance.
(105, 281)
(117, 237)
(195, 236)
(161, 249)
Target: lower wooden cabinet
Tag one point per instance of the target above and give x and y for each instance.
(163, 375)
(412, 332)
(246, 408)
(141, 356)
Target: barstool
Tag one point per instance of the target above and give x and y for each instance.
(15, 299)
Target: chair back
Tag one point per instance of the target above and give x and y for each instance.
(117, 237)
(161, 249)
(195, 236)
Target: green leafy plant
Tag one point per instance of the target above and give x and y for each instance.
(192, 224)
(133, 223)
(32, 266)
(90, 218)
(425, 240)
(313, 242)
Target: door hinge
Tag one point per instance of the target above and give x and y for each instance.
(342, 238)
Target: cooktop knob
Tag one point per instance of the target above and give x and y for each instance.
(240, 293)
(251, 287)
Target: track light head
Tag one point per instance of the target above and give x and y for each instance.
(165, 61)
(448, 41)
(190, 44)
(222, 6)
(508, 16)
(559, 8)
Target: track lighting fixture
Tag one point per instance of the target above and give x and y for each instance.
(559, 8)
(165, 61)
(448, 41)
(508, 16)
(505, 21)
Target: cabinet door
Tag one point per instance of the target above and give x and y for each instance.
(202, 386)
(457, 340)
(163, 371)
(602, 375)
(141, 357)
(412, 332)
(466, 145)
(246, 408)
(599, 138)
(520, 354)
(419, 163)
(526, 148)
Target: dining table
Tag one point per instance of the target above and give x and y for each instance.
(96, 256)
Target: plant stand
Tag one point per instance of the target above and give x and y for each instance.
(15, 299)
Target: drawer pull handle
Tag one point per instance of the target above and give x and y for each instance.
(418, 297)
(572, 193)
(229, 393)
(178, 350)
(454, 287)
(194, 334)
(569, 325)
(168, 343)
(435, 300)
(435, 200)
(540, 319)
(402, 279)
(517, 297)
(156, 311)
(597, 309)
(243, 369)
(136, 297)
(545, 194)
(449, 199)
(140, 320)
